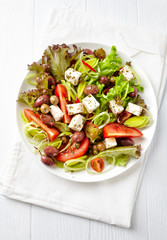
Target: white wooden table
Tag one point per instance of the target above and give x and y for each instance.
(21, 28)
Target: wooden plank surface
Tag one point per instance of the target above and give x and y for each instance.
(21, 28)
(16, 47)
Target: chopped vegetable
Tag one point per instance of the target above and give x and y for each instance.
(137, 122)
(77, 164)
(101, 119)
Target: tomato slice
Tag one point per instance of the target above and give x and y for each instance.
(61, 93)
(73, 152)
(51, 132)
(117, 130)
(97, 164)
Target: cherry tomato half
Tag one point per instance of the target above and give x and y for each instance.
(97, 164)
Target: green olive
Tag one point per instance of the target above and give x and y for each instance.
(45, 108)
(112, 80)
(101, 146)
(95, 152)
(95, 148)
(91, 131)
(54, 100)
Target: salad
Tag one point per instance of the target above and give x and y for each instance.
(84, 109)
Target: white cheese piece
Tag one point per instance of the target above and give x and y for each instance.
(75, 108)
(127, 72)
(90, 103)
(110, 142)
(77, 122)
(56, 112)
(116, 109)
(134, 109)
(72, 76)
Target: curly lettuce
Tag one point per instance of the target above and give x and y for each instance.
(30, 96)
(119, 92)
(110, 64)
(59, 59)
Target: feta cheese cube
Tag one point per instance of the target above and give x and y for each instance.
(90, 103)
(127, 72)
(77, 122)
(75, 108)
(134, 109)
(56, 112)
(72, 76)
(110, 142)
(116, 109)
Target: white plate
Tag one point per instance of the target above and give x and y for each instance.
(145, 140)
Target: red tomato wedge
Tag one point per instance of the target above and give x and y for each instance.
(117, 130)
(97, 164)
(61, 93)
(51, 132)
(73, 152)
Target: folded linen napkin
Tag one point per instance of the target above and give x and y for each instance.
(85, 200)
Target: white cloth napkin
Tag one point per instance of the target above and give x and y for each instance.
(111, 201)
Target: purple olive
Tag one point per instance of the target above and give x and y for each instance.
(41, 100)
(91, 89)
(78, 136)
(134, 93)
(125, 141)
(104, 80)
(47, 160)
(51, 151)
(51, 82)
(123, 116)
(48, 120)
(88, 52)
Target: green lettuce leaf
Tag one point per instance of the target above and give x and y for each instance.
(42, 72)
(110, 64)
(30, 96)
(116, 151)
(59, 59)
(27, 98)
(121, 160)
